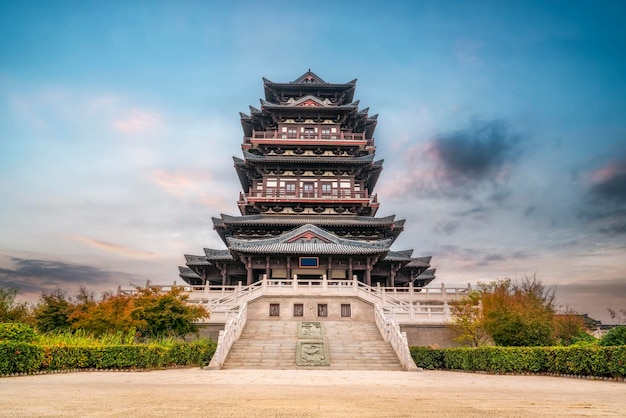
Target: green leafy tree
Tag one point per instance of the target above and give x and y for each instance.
(616, 336)
(468, 322)
(52, 312)
(10, 310)
(165, 314)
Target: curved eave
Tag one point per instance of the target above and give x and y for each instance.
(307, 249)
(240, 168)
(321, 220)
(419, 262)
(196, 260)
(218, 255)
(401, 256)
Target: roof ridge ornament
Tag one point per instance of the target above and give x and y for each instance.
(309, 78)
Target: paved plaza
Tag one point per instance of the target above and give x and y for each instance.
(306, 393)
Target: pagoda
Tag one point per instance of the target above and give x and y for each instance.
(308, 209)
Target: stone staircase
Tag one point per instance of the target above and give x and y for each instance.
(352, 345)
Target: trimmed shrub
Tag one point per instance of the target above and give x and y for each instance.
(17, 332)
(18, 357)
(22, 357)
(573, 360)
(428, 358)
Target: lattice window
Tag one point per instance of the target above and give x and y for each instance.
(298, 309)
(346, 310)
(274, 309)
(322, 310)
(309, 133)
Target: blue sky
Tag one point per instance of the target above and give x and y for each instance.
(502, 126)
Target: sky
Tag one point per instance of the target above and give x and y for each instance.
(502, 126)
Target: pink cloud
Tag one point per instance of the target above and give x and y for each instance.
(114, 248)
(137, 122)
(611, 170)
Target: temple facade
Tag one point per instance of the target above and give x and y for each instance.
(308, 173)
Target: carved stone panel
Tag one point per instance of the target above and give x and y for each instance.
(311, 330)
(312, 353)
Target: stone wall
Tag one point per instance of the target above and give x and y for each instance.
(428, 335)
(211, 331)
(359, 310)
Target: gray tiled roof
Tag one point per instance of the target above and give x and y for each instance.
(197, 260)
(427, 275)
(399, 255)
(328, 244)
(347, 107)
(309, 248)
(186, 272)
(217, 255)
(419, 262)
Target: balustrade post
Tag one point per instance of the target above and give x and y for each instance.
(444, 295)
(324, 284)
(411, 311)
(469, 288)
(294, 283)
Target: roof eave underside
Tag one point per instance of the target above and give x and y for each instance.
(304, 219)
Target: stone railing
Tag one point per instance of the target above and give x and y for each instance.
(391, 333)
(403, 304)
(230, 334)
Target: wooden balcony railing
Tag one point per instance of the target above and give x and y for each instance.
(282, 192)
(340, 136)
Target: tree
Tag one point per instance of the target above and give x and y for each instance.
(616, 336)
(165, 314)
(52, 312)
(110, 315)
(10, 310)
(520, 313)
(569, 327)
(467, 321)
(618, 317)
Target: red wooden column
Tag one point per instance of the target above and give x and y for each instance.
(249, 271)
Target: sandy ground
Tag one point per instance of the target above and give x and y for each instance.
(306, 393)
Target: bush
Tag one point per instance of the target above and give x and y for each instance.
(574, 360)
(428, 358)
(616, 336)
(17, 332)
(22, 357)
(19, 357)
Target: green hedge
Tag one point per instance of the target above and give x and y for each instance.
(580, 361)
(24, 357)
(17, 332)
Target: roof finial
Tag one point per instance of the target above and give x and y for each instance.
(309, 70)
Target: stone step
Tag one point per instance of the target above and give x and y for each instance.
(272, 345)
